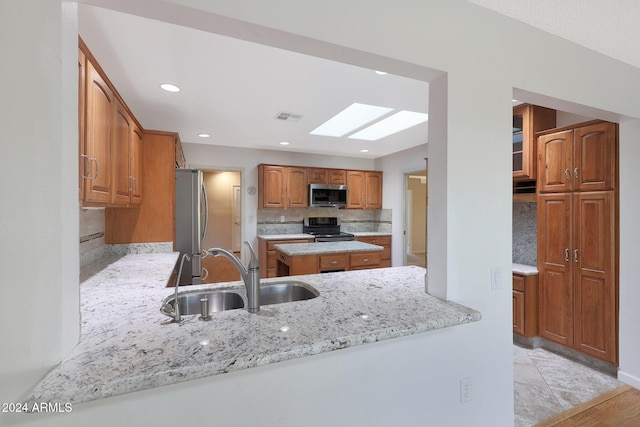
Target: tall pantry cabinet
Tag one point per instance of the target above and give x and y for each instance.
(578, 238)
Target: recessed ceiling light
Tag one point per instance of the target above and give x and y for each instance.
(382, 73)
(349, 119)
(284, 143)
(204, 135)
(392, 124)
(169, 87)
(364, 150)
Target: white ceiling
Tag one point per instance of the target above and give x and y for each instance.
(610, 27)
(233, 89)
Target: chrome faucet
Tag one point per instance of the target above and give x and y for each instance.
(174, 312)
(250, 275)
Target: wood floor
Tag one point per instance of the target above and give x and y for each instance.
(220, 269)
(617, 408)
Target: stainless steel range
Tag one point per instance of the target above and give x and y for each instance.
(325, 229)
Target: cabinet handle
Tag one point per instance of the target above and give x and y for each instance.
(575, 173)
(566, 254)
(130, 184)
(85, 160)
(334, 262)
(283, 197)
(575, 255)
(366, 260)
(92, 160)
(566, 173)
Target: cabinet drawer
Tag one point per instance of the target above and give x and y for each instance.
(376, 240)
(333, 262)
(365, 259)
(518, 282)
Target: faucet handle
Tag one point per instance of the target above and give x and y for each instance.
(253, 262)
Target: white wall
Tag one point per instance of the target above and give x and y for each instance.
(481, 53)
(39, 230)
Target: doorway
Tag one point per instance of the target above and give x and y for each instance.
(415, 221)
(225, 225)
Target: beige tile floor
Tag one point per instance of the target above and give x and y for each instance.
(546, 384)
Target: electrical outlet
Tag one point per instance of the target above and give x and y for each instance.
(466, 390)
(281, 218)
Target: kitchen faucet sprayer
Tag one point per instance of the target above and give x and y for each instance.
(174, 311)
(250, 275)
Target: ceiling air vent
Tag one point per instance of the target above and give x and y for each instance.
(290, 117)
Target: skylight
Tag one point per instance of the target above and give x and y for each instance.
(350, 119)
(390, 125)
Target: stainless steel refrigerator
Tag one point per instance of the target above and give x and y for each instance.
(192, 213)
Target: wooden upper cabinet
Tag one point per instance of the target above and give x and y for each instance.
(83, 166)
(317, 176)
(582, 158)
(121, 144)
(271, 186)
(98, 137)
(337, 176)
(110, 140)
(297, 188)
(527, 120)
(356, 190)
(373, 181)
(555, 152)
(595, 154)
(135, 164)
(282, 187)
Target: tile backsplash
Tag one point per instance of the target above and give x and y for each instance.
(525, 230)
(352, 220)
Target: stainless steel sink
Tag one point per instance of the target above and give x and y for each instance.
(286, 291)
(218, 301)
(230, 299)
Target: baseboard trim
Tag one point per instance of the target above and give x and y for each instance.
(627, 378)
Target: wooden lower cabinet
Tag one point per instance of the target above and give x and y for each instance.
(385, 242)
(267, 254)
(525, 305)
(577, 257)
(294, 265)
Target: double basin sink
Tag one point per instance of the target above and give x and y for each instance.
(230, 299)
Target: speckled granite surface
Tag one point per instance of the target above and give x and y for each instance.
(525, 270)
(285, 236)
(293, 249)
(128, 345)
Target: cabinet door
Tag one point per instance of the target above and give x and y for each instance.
(373, 190)
(98, 139)
(595, 149)
(135, 165)
(83, 167)
(272, 186)
(555, 265)
(594, 261)
(121, 154)
(555, 152)
(356, 190)
(518, 312)
(297, 188)
(317, 176)
(337, 176)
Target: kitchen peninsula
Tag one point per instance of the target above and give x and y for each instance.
(128, 345)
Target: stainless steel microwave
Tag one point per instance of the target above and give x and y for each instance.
(327, 195)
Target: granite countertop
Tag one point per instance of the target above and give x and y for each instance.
(525, 270)
(285, 236)
(128, 345)
(293, 249)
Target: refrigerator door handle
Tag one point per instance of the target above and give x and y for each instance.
(206, 212)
